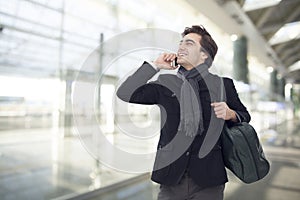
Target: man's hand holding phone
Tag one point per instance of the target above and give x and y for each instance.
(166, 61)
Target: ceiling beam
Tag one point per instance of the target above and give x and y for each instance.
(61, 11)
(231, 18)
(51, 28)
(280, 48)
(265, 16)
(22, 70)
(51, 37)
(273, 27)
(290, 51)
(10, 69)
(51, 61)
(294, 76)
(291, 60)
(261, 49)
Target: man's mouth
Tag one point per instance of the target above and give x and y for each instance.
(181, 54)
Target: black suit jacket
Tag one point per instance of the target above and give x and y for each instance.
(165, 92)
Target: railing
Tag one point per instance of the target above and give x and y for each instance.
(121, 190)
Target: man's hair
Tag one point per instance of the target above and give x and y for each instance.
(207, 43)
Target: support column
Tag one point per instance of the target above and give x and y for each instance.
(240, 62)
(68, 119)
(66, 115)
(273, 84)
(281, 87)
(99, 71)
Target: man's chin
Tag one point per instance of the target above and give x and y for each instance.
(181, 61)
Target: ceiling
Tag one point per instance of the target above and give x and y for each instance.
(268, 20)
(33, 44)
(45, 39)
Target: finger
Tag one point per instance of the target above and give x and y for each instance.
(164, 56)
(217, 103)
(219, 111)
(219, 108)
(170, 57)
(214, 104)
(174, 66)
(173, 56)
(221, 115)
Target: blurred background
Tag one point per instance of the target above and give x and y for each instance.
(45, 44)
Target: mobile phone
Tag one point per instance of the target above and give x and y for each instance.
(175, 62)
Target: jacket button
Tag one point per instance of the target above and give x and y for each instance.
(187, 153)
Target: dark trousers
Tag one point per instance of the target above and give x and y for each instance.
(187, 189)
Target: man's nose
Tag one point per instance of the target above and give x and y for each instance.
(181, 47)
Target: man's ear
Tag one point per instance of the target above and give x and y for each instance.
(203, 55)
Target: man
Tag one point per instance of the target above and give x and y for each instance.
(191, 109)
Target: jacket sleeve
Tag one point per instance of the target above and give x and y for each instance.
(234, 102)
(135, 88)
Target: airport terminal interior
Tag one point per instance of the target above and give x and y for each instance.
(64, 134)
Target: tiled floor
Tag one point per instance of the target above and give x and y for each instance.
(38, 164)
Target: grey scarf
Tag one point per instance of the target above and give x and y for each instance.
(191, 117)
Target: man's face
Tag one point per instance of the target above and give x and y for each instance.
(189, 54)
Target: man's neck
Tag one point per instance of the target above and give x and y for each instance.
(189, 67)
